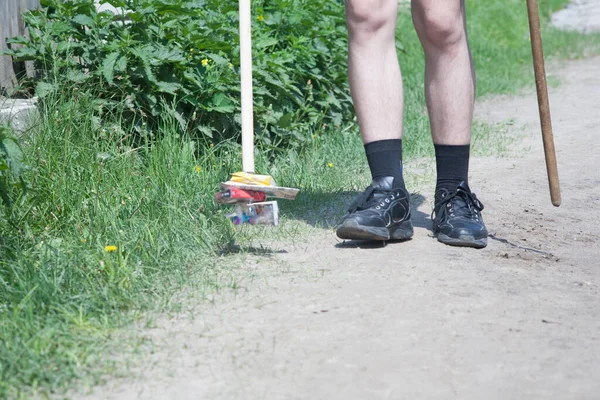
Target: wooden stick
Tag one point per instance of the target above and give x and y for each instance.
(246, 86)
(543, 105)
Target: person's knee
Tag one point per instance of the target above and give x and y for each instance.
(439, 29)
(369, 18)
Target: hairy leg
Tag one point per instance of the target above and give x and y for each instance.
(449, 70)
(373, 68)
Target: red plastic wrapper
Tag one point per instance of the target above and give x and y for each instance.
(233, 195)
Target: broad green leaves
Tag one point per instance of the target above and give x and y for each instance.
(159, 54)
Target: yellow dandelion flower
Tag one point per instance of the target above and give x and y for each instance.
(230, 66)
(260, 18)
(110, 248)
(198, 169)
(211, 145)
(205, 62)
(330, 165)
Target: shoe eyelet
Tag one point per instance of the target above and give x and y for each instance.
(452, 215)
(448, 205)
(387, 201)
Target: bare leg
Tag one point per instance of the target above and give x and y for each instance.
(373, 68)
(449, 71)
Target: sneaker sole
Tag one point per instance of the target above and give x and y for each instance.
(351, 230)
(462, 241)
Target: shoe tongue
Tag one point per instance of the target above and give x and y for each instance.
(464, 186)
(383, 183)
(443, 193)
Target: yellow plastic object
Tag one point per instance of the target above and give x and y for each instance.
(251, 179)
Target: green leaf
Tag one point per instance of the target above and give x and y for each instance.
(22, 54)
(144, 55)
(18, 40)
(319, 45)
(285, 121)
(121, 64)
(68, 46)
(193, 78)
(218, 60)
(331, 99)
(205, 130)
(261, 43)
(60, 27)
(13, 152)
(108, 66)
(221, 103)
(84, 20)
(43, 89)
(337, 119)
(168, 87)
(180, 120)
(77, 76)
(4, 194)
(164, 54)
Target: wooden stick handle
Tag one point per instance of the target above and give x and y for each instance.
(246, 86)
(543, 105)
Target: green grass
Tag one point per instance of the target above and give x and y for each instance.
(64, 298)
(92, 187)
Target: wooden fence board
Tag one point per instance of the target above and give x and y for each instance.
(11, 24)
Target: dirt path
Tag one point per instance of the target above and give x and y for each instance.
(579, 15)
(333, 320)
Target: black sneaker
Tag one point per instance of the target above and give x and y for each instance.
(380, 213)
(457, 220)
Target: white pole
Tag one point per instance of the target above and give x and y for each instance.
(246, 86)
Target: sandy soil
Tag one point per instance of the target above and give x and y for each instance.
(326, 319)
(579, 15)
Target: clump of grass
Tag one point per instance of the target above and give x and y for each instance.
(109, 225)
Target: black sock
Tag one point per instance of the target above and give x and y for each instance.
(385, 159)
(452, 164)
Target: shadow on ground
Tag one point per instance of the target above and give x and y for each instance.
(233, 248)
(325, 210)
